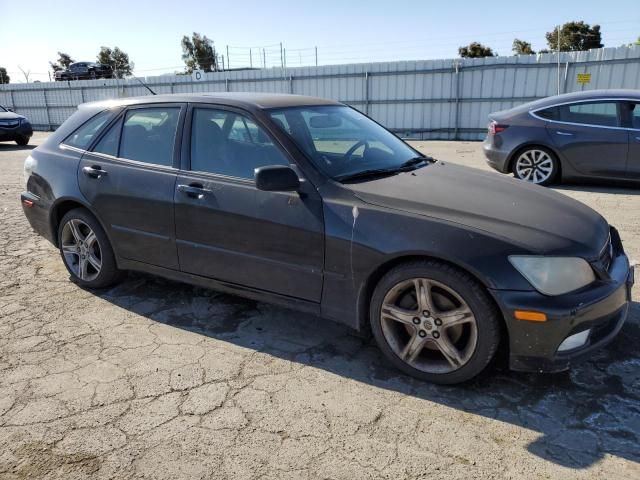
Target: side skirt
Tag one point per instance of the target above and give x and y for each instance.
(225, 287)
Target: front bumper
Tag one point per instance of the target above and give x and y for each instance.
(24, 130)
(601, 308)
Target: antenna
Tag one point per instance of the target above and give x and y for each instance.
(144, 85)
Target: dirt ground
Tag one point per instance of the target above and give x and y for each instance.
(154, 379)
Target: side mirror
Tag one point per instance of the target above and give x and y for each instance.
(277, 178)
(10, 109)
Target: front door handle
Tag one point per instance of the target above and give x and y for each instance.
(638, 138)
(94, 171)
(193, 190)
(566, 134)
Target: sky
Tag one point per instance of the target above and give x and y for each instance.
(344, 31)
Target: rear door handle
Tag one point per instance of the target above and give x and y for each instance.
(94, 171)
(194, 190)
(566, 134)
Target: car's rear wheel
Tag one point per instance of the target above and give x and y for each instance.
(22, 141)
(536, 165)
(86, 251)
(434, 322)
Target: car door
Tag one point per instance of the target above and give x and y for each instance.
(129, 179)
(633, 124)
(226, 228)
(590, 136)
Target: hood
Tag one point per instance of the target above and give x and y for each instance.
(533, 217)
(9, 116)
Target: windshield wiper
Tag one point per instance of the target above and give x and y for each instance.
(406, 166)
(413, 162)
(373, 172)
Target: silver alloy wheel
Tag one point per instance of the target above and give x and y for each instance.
(429, 325)
(81, 250)
(535, 166)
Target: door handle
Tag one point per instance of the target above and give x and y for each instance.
(194, 190)
(638, 138)
(94, 171)
(566, 134)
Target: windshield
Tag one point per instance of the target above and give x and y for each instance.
(341, 141)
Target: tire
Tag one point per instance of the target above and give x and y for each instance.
(22, 141)
(461, 315)
(90, 250)
(545, 165)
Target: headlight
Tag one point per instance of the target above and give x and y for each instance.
(29, 164)
(554, 275)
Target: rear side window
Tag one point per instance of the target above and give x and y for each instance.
(591, 113)
(84, 135)
(635, 115)
(108, 144)
(148, 135)
(550, 113)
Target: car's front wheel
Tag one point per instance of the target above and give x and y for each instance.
(22, 141)
(86, 251)
(434, 322)
(536, 165)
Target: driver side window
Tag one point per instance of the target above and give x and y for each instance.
(230, 144)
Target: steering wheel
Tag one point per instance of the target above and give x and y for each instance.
(350, 152)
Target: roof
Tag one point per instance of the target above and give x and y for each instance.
(576, 96)
(248, 100)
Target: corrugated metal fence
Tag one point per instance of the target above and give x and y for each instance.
(433, 99)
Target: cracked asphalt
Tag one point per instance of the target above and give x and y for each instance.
(155, 379)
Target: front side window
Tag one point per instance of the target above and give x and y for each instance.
(591, 113)
(341, 141)
(230, 144)
(84, 135)
(148, 135)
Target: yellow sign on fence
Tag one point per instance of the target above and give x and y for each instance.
(584, 78)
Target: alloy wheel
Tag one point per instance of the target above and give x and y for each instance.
(81, 250)
(535, 166)
(428, 325)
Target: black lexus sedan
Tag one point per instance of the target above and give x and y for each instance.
(310, 204)
(592, 134)
(14, 127)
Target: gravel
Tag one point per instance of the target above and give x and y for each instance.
(155, 379)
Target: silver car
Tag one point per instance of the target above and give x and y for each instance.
(590, 134)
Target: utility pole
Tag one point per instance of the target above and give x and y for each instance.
(281, 57)
(228, 67)
(250, 58)
(264, 59)
(316, 56)
(284, 55)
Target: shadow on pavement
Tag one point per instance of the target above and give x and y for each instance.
(610, 188)
(583, 414)
(11, 147)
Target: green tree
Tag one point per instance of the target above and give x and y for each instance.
(4, 78)
(521, 47)
(198, 52)
(637, 42)
(476, 50)
(575, 36)
(62, 63)
(117, 59)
